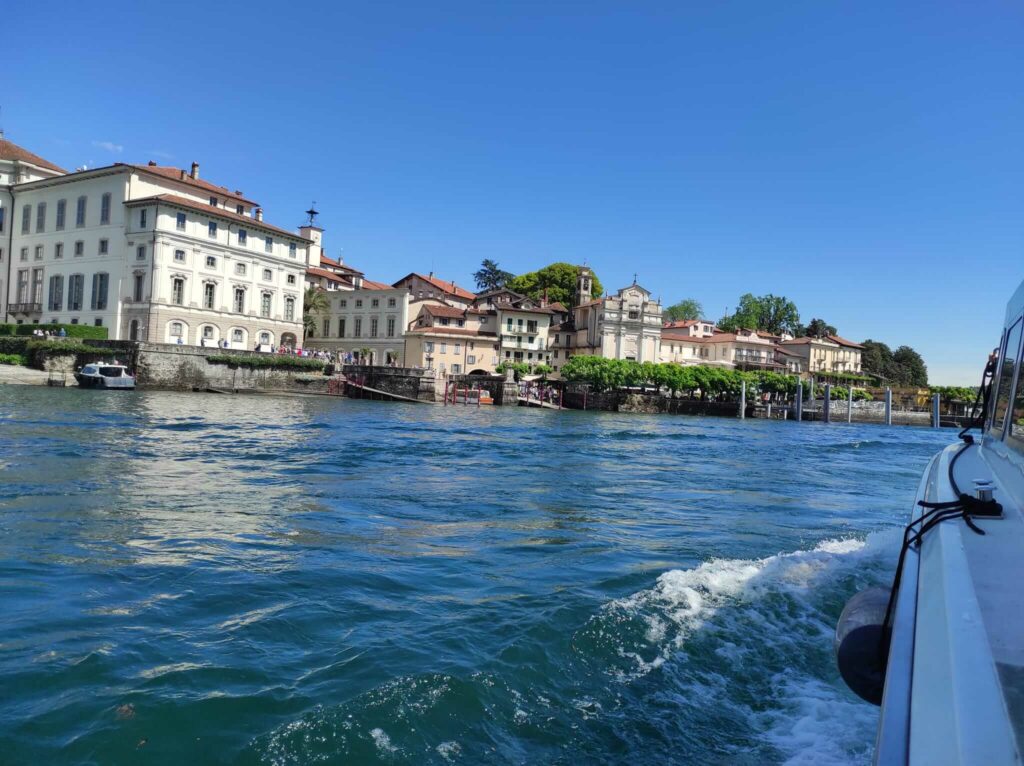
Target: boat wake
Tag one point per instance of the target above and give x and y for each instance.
(750, 641)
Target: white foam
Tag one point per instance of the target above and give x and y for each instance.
(809, 720)
(382, 741)
(449, 750)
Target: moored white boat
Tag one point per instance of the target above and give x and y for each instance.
(943, 651)
(102, 375)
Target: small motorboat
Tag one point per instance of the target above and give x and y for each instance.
(942, 650)
(102, 375)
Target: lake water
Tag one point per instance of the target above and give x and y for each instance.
(190, 578)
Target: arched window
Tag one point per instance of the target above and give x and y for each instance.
(265, 337)
(238, 335)
(177, 332)
(208, 332)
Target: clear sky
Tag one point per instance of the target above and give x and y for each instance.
(862, 158)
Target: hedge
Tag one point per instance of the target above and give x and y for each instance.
(10, 345)
(267, 361)
(71, 330)
(13, 359)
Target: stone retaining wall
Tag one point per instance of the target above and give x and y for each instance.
(410, 382)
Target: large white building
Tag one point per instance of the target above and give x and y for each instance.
(153, 253)
(626, 325)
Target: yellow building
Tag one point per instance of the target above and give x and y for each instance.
(830, 354)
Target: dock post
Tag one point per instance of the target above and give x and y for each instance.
(743, 399)
(849, 406)
(826, 406)
(936, 422)
(888, 406)
(799, 400)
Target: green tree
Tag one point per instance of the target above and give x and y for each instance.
(490, 276)
(876, 359)
(685, 309)
(816, 328)
(773, 314)
(913, 371)
(559, 279)
(314, 303)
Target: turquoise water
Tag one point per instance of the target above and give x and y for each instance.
(191, 578)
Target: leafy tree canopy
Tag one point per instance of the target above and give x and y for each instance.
(816, 328)
(558, 278)
(685, 309)
(490, 276)
(903, 367)
(773, 314)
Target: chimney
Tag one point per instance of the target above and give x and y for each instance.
(431, 275)
(152, 164)
(195, 171)
(259, 214)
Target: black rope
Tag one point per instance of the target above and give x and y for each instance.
(964, 507)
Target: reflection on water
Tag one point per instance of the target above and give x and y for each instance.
(287, 580)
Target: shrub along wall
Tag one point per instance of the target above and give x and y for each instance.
(71, 330)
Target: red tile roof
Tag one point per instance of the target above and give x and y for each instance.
(843, 341)
(684, 338)
(325, 261)
(11, 151)
(681, 323)
(559, 307)
(451, 331)
(177, 174)
(449, 288)
(369, 284)
(445, 311)
(206, 209)
(330, 276)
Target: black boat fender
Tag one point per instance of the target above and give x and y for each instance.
(859, 646)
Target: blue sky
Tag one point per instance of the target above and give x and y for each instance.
(863, 159)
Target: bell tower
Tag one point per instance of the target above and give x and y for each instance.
(584, 285)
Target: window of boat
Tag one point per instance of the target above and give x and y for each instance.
(89, 370)
(110, 372)
(1011, 358)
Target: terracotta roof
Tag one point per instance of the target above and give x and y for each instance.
(680, 323)
(177, 174)
(684, 338)
(10, 151)
(460, 331)
(207, 209)
(450, 288)
(796, 341)
(445, 311)
(325, 261)
(535, 310)
(369, 284)
(328, 275)
(843, 341)
(559, 307)
(781, 350)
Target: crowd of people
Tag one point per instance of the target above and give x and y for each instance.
(40, 333)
